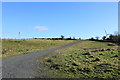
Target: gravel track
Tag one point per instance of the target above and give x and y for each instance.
(25, 66)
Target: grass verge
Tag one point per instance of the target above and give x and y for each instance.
(12, 47)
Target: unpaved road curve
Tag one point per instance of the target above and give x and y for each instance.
(24, 66)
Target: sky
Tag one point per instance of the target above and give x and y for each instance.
(52, 19)
(60, 0)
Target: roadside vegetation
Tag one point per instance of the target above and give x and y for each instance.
(88, 59)
(12, 47)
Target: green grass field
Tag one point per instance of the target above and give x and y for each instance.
(88, 59)
(12, 47)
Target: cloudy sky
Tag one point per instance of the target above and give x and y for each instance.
(52, 19)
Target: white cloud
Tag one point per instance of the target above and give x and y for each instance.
(41, 28)
(1, 32)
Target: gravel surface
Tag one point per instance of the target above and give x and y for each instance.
(25, 66)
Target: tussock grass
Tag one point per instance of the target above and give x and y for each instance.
(88, 59)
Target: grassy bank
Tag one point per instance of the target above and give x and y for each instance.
(88, 59)
(12, 47)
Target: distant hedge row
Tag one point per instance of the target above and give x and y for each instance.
(56, 38)
(111, 38)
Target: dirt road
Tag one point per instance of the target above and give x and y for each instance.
(24, 66)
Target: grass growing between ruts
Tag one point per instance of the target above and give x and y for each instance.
(12, 47)
(88, 59)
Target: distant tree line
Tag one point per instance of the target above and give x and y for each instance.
(62, 37)
(110, 38)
